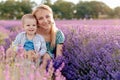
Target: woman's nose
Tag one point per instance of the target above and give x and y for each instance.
(45, 20)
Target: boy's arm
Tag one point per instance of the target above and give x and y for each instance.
(16, 42)
(43, 48)
(11, 52)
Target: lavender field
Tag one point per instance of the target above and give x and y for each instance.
(91, 49)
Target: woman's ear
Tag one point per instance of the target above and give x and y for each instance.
(52, 22)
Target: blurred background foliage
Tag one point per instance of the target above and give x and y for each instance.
(14, 9)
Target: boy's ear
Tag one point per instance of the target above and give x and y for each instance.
(23, 25)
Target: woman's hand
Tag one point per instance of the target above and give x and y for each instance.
(59, 50)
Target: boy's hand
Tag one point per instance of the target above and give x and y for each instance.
(36, 57)
(29, 54)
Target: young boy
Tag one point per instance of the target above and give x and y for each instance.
(32, 43)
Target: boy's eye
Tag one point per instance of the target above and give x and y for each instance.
(27, 25)
(34, 25)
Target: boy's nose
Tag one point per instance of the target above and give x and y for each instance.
(31, 26)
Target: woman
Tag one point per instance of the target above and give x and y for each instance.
(46, 27)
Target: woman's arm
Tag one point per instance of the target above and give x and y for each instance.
(59, 50)
(60, 41)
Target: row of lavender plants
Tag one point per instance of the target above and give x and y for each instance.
(91, 49)
(14, 66)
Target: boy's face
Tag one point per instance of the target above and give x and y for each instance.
(30, 26)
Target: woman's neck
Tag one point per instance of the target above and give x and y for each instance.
(43, 31)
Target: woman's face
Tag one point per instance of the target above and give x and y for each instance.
(44, 18)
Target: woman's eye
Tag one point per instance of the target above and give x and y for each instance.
(47, 16)
(40, 18)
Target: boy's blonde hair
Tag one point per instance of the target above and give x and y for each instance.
(53, 26)
(27, 16)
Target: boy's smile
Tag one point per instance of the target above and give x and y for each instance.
(30, 26)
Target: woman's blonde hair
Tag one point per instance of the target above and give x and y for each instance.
(53, 26)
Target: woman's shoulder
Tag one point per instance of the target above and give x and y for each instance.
(60, 37)
(59, 30)
(59, 33)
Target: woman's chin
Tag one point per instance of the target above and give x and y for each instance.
(46, 28)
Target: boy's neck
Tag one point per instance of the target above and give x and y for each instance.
(30, 36)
